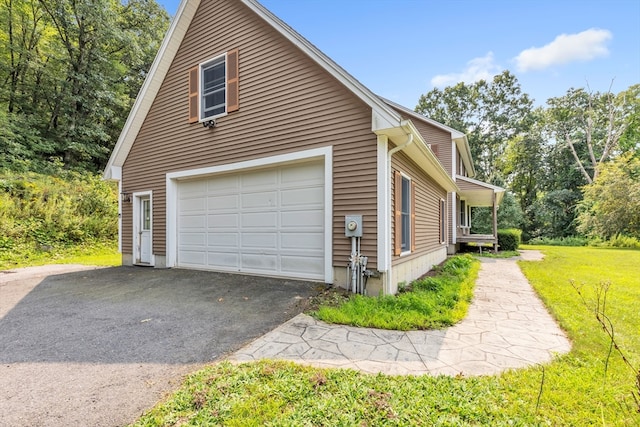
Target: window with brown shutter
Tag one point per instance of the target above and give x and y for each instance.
(404, 202)
(214, 87)
(193, 94)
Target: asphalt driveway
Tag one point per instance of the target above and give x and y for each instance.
(98, 347)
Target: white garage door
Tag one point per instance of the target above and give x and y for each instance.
(268, 221)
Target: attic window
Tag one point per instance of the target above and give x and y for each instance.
(213, 81)
(214, 87)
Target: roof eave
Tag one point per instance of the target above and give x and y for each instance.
(485, 192)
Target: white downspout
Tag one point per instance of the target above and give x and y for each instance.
(391, 153)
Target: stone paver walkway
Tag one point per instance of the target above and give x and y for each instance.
(507, 327)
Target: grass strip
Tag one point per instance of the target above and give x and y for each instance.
(432, 302)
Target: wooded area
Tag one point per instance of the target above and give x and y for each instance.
(71, 70)
(571, 167)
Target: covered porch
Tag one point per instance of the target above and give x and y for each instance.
(474, 193)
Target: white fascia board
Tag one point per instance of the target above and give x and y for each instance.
(151, 86)
(383, 116)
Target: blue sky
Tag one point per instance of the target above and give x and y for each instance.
(401, 49)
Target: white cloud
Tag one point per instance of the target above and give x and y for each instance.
(482, 68)
(566, 48)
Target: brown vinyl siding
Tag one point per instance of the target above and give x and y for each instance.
(287, 103)
(427, 207)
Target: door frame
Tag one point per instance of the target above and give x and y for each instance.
(138, 198)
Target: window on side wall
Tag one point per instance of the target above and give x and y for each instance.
(214, 87)
(405, 244)
(404, 214)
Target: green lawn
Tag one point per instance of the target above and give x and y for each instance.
(102, 254)
(574, 392)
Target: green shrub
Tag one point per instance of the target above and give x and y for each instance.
(559, 241)
(617, 241)
(509, 239)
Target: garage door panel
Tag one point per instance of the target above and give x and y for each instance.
(222, 241)
(259, 179)
(222, 221)
(301, 240)
(259, 262)
(193, 187)
(192, 258)
(227, 184)
(310, 197)
(269, 221)
(263, 220)
(192, 205)
(193, 222)
(301, 265)
(303, 175)
(222, 202)
(194, 239)
(260, 240)
(227, 260)
(267, 199)
(309, 220)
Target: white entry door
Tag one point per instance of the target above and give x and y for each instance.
(143, 232)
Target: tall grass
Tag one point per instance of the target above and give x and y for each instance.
(41, 215)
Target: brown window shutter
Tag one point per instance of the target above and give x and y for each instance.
(193, 94)
(434, 148)
(413, 216)
(397, 226)
(233, 81)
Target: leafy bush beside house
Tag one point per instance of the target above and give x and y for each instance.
(509, 239)
(44, 212)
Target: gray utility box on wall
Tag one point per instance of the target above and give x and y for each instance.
(353, 225)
